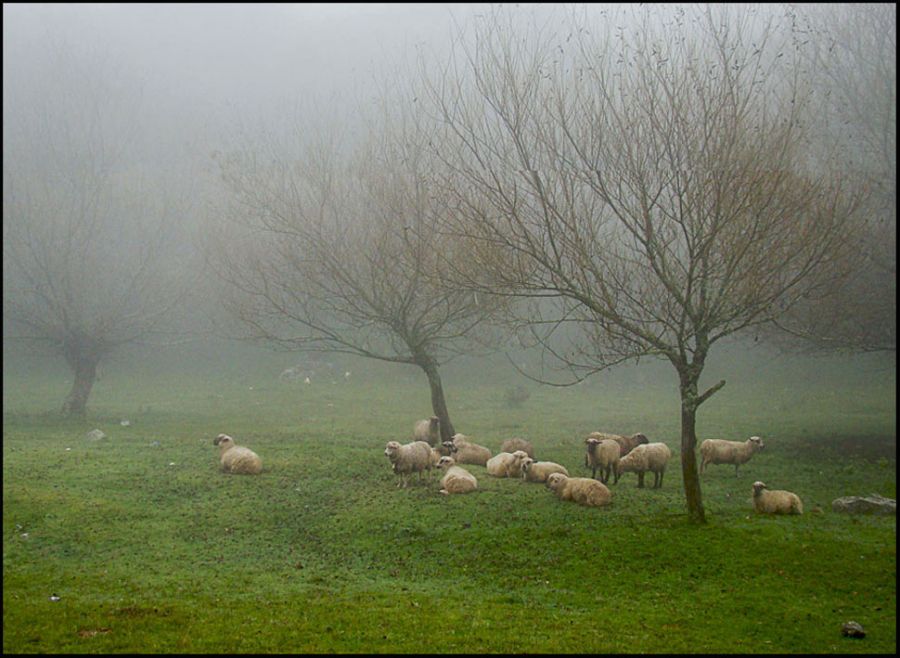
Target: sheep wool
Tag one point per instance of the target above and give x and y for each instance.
(533, 471)
(766, 501)
(236, 459)
(506, 464)
(626, 443)
(428, 430)
(603, 455)
(415, 457)
(651, 457)
(584, 491)
(720, 451)
(456, 480)
(468, 452)
(511, 445)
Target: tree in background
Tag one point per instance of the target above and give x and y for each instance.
(333, 247)
(642, 181)
(88, 240)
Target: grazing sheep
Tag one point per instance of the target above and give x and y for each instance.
(766, 501)
(428, 430)
(506, 464)
(414, 457)
(646, 457)
(626, 443)
(584, 491)
(720, 451)
(511, 445)
(236, 459)
(533, 471)
(469, 453)
(456, 480)
(603, 454)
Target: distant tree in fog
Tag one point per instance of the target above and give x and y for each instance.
(333, 248)
(85, 233)
(852, 59)
(647, 173)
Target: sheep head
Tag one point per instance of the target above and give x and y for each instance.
(592, 444)
(391, 449)
(758, 487)
(555, 481)
(757, 443)
(640, 438)
(445, 462)
(223, 440)
(526, 464)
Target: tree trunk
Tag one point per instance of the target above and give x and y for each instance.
(85, 371)
(438, 404)
(689, 403)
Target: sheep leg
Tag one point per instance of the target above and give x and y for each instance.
(641, 480)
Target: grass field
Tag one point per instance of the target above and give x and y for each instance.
(151, 549)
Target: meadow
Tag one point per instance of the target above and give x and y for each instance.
(150, 548)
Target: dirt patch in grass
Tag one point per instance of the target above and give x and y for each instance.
(828, 448)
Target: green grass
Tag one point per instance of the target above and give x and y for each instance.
(151, 549)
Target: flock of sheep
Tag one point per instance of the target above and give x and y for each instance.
(607, 455)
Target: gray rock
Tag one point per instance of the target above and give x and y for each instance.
(871, 504)
(95, 435)
(852, 629)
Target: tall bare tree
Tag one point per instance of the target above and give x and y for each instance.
(86, 235)
(333, 248)
(641, 180)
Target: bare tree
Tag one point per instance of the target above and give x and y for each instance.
(646, 191)
(84, 234)
(333, 248)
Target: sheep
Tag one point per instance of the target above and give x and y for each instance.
(414, 457)
(511, 445)
(506, 464)
(603, 454)
(456, 480)
(428, 430)
(766, 501)
(646, 457)
(626, 443)
(469, 453)
(533, 471)
(720, 451)
(584, 491)
(236, 459)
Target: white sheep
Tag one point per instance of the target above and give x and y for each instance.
(766, 501)
(428, 430)
(468, 452)
(720, 451)
(603, 454)
(626, 443)
(506, 464)
(414, 457)
(456, 480)
(236, 459)
(584, 491)
(511, 445)
(533, 471)
(646, 457)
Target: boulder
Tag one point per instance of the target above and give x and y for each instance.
(95, 435)
(871, 504)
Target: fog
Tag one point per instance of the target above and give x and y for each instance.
(171, 85)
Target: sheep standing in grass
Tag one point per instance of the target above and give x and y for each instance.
(506, 464)
(428, 430)
(584, 491)
(456, 480)
(603, 454)
(468, 452)
(414, 457)
(533, 471)
(720, 451)
(236, 459)
(646, 457)
(511, 445)
(766, 501)
(626, 443)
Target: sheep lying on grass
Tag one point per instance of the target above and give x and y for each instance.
(506, 464)
(468, 452)
(236, 459)
(720, 451)
(766, 501)
(646, 457)
(533, 471)
(626, 443)
(414, 457)
(456, 480)
(428, 430)
(511, 445)
(603, 454)
(584, 491)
